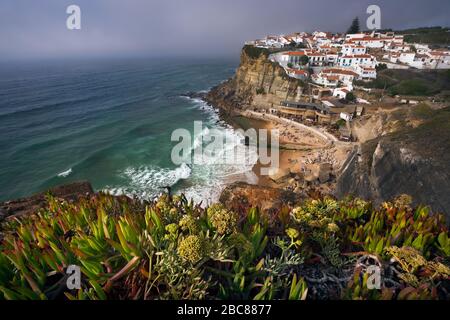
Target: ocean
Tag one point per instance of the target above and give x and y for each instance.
(110, 122)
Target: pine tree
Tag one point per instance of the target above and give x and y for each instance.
(354, 28)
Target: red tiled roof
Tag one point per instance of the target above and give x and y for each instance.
(364, 56)
(439, 53)
(315, 54)
(297, 71)
(295, 53)
(331, 77)
(339, 71)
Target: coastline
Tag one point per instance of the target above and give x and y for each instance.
(304, 151)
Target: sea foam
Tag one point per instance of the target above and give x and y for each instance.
(65, 173)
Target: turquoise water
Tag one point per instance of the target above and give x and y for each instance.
(108, 122)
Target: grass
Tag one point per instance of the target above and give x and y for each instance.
(411, 82)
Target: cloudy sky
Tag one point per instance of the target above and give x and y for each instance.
(35, 29)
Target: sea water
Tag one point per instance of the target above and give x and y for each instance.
(110, 122)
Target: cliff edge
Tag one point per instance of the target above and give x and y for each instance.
(258, 83)
(414, 160)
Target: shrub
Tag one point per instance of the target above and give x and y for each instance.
(255, 52)
(175, 249)
(260, 91)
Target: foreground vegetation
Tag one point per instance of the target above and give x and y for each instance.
(174, 249)
(411, 82)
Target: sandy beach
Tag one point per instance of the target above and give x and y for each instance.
(300, 150)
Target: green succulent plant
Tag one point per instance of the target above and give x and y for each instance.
(175, 249)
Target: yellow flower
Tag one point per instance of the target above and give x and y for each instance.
(191, 248)
(292, 233)
(172, 228)
(189, 223)
(332, 227)
(223, 220)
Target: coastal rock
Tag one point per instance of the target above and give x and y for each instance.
(241, 195)
(325, 170)
(194, 95)
(280, 175)
(29, 205)
(413, 161)
(258, 83)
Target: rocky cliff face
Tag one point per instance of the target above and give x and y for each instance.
(414, 161)
(25, 206)
(258, 83)
(401, 151)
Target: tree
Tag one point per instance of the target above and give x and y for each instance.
(350, 97)
(304, 60)
(354, 28)
(381, 67)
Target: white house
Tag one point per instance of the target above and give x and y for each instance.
(369, 42)
(316, 58)
(293, 57)
(441, 59)
(325, 80)
(421, 48)
(346, 116)
(352, 36)
(345, 76)
(341, 93)
(350, 49)
(296, 37)
(407, 57)
(331, 57)
(297, 74)
(357, 60)
(366, 73)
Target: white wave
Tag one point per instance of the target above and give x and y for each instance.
(210, 172)
(65, 173)
(148, 182)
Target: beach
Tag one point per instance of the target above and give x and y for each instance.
(301, 154)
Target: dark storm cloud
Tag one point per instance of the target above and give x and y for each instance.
(37, 28)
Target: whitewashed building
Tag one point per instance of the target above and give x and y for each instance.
(351, 49)
(356, 60)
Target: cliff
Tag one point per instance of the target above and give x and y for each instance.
(413, 160)
(401, 151)
(258, 83)
(29, 205)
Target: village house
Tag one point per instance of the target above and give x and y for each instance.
(345, 76)
(351, 49)
(292, 57)
(366, 73)
(326, 80)
(341, 93)
(356, 60)
(313, 112)
(320, 93)
(345, 58)
(331, 57)
(393, 47)
(297, 74)
(316, 58)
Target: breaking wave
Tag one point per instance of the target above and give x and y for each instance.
(203, 176)
(65, 173)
